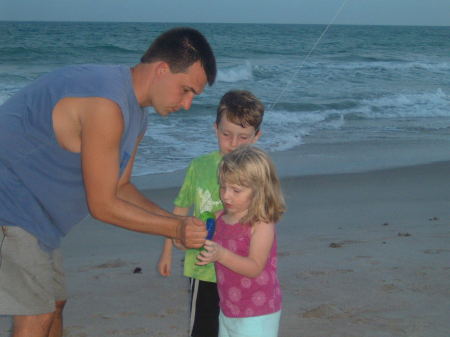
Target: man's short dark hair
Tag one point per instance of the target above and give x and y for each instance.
(180, 48)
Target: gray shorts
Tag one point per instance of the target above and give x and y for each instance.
(31, 279)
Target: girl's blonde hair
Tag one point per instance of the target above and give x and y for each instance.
(251, 167)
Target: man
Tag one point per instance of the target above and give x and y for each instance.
(67, 147)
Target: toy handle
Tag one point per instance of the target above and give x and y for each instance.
(210, 220)
(211, 227)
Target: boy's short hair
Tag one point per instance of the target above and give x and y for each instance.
(180, 48)
(242, 108)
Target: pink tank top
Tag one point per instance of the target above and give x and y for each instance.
(242, 296)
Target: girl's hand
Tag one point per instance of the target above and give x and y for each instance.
(211, 253)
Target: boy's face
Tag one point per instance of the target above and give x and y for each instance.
(230, 135)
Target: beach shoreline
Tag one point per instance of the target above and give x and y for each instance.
(361, 254)
(328, 159)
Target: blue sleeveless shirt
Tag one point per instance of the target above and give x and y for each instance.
(41, 184)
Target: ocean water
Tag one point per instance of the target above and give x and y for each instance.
(372, 85)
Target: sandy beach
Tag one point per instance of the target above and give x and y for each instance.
(361, 255)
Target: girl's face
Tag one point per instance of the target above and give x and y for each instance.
(236, 199)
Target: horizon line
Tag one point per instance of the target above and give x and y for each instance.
(227, 23)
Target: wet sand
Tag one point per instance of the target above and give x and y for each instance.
(361, 255)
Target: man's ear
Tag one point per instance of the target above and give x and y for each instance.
(162, 67)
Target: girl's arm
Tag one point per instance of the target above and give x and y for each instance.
(251, 265)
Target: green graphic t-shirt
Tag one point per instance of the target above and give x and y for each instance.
(201, 190)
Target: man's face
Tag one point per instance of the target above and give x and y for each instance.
(230, 135)
(174, 91)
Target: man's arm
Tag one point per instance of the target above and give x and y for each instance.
(117, 201)
(126, 190)
(182, 211)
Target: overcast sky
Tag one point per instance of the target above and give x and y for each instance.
(383, 12)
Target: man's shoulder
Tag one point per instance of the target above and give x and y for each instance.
(93, 73)
(91, 66)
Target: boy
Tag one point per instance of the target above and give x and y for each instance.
(238, 120)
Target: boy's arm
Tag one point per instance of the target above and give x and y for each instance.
(251, 265)
(165, 260)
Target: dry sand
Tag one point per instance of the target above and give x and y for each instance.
(361, 255)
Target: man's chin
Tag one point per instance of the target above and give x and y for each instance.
(163, 112)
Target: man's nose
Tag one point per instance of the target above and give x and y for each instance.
(187, 102)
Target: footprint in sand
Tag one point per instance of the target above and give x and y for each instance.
(343, 243)
(436, 251)
(324, 311)
(389, 288)
(72, 331)
(110, 264)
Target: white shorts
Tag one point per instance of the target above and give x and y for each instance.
(257, 326)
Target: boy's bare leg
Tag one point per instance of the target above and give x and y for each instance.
(32, 326)
(56, 328)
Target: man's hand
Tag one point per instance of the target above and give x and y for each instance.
(191, 232)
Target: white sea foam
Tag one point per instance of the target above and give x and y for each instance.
(4, 96)
(391, 66)
(365, 84)
(427, 104)
(236, 73)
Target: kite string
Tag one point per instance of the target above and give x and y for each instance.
(309, 54)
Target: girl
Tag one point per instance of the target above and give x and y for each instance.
(244, 246)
